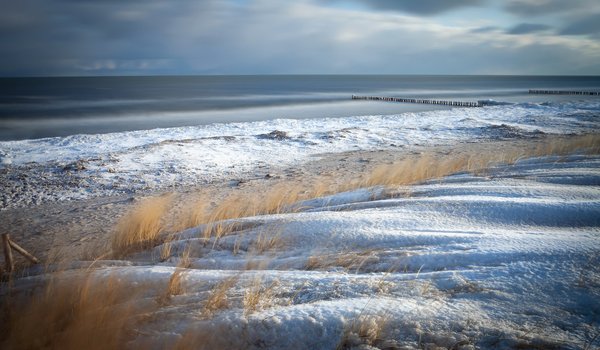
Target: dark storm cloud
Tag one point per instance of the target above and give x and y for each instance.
(420, 7)
(527, 28)
(573, 17)
(68, 37)
(527, 8)
(581, 26)
(55, 34)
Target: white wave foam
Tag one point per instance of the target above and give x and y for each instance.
(153, 158)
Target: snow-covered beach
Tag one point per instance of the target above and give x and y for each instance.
(504, 256)
(84, 166)
(309, 174)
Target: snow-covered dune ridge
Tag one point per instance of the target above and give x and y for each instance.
(83, 166)
(506, 258)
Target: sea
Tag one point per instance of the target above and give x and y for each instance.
(34, 108)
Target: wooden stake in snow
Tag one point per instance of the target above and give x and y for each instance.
(23, 252)
(7, 244)
(8, 259)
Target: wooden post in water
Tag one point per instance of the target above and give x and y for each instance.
(563, 92)
(420, 101)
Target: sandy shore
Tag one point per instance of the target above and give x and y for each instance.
(432, 261)
(80, 229)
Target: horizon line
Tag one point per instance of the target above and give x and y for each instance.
(288, 74)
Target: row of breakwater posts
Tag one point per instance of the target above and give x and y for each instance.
(563, 92)
(467, 103)
(423, 101)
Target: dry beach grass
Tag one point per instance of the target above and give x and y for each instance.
(70, 312)
(68, 309)
(140, 228)
(143, 225)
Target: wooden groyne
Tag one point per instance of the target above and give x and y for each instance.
(563, 92)
(416, 100)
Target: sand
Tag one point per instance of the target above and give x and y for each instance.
(81, 229)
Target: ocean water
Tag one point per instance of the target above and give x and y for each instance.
(32, 108)
(124, 135)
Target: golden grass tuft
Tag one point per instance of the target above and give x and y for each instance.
(589, 144)
(366, 329)
(273, 200)
(174, 286)
(216, 230)
(257, 296)
(140, 228)
(427, 166)
(238, 203)
(96, 250)
(78, 312)
(276, 199)
(351, 261)
(56, 257)
(165, 249)
(217, 299)
(269, 238)
(184, 259)
(193, 215)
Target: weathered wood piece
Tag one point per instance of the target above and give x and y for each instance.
(23, 252)
(8, 258)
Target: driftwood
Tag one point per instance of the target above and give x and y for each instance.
(7, 244)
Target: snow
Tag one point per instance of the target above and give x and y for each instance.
(119, 163)
(509, 259)
(505, 260)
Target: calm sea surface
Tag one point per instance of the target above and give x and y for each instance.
(46, 107)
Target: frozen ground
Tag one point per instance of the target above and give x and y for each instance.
(506, 258)
(77, 167)
(509, 259)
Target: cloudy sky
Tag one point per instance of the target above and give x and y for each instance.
(147, 37)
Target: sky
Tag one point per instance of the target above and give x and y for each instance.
(151, 37)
